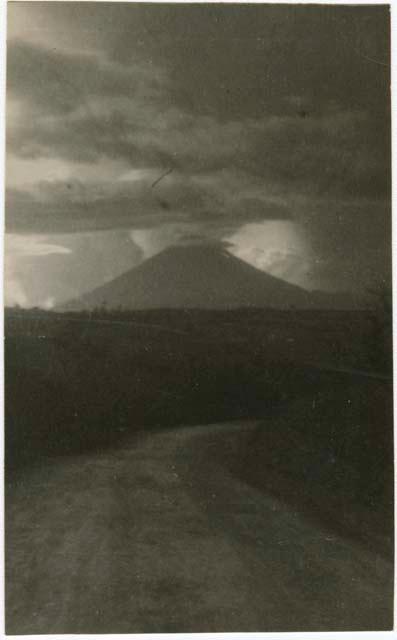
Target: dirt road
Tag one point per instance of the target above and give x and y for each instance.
(159, 536)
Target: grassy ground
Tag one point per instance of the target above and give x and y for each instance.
(330, 452)
(73, 382)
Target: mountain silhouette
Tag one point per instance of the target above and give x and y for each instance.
(194, 276)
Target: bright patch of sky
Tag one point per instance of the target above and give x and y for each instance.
(280, 248)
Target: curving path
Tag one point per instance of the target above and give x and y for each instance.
(159, 536)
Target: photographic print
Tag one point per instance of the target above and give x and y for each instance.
(198, 318)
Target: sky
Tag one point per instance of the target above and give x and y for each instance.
(134, 127)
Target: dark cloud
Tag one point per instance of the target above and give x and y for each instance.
(239, 60)
(56, 83)
(351, 240)
(72, 206)
(82, 108)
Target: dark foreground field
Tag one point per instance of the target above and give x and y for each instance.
(273, 510)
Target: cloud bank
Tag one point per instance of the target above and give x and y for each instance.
(255, 113)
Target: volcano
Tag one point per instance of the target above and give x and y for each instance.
(196, 276)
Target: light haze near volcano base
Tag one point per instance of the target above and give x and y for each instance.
(277, 247)
(47, 270)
